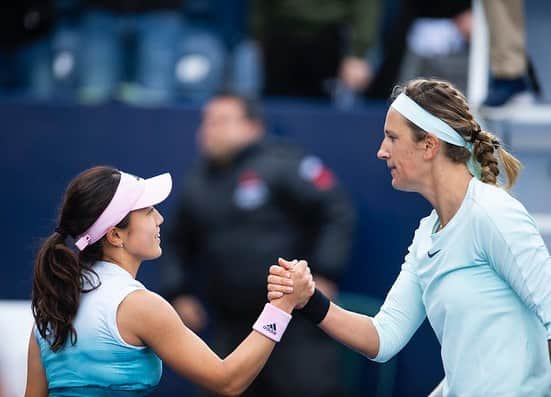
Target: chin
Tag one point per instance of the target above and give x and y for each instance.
(395, 184)
(153, 255)
(401, 187)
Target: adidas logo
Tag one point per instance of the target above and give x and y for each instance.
(271, 328)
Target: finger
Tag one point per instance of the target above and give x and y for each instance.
(279, 271)
(280, 280)
(280, 288)
(301, 265)
(274, 295)
(286, 264)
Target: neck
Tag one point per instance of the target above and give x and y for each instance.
(122, 259)
(237, 151)
(446, 189)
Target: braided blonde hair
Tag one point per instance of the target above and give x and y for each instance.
(443, 100)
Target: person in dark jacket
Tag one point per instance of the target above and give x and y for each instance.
(250, 200)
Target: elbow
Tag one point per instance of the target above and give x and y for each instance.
(231, 393)
(374, 351)
(376, 356)
(229, 384)
(232, 389)
(380, 360)
(380, 356)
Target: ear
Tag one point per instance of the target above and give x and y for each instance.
(432, 147)
(114, 237)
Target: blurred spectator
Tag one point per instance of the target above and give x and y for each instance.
(214, 52)
(510, 78)
(109, 27)
(248, 201)
(439, 48)
(316, 49)
(26, 27)
(407, 13)
(211, 30)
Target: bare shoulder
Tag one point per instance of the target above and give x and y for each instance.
(142, 314)
(144, 305)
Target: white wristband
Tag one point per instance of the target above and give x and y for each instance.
(272, 322)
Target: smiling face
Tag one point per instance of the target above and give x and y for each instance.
(405, 157)
(142, 237)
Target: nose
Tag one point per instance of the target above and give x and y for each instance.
(159, 217)
(382, 153)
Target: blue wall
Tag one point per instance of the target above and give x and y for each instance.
(44, 146)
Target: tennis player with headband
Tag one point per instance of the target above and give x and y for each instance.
(98, 331)
(477, 267)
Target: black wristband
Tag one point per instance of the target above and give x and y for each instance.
(317, 307)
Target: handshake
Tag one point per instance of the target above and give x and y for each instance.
(290, 283)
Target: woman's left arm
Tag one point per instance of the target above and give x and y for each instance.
(37, 384)
(515, 249)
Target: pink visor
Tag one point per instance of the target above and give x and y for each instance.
(133, 193)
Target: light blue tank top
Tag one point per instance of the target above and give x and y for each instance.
(101, 363)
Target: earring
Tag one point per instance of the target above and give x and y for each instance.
(122, 245)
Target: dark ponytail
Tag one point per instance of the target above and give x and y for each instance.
(56, 291)
(61, 273)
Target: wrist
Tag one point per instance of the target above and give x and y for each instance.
(283, 304)
(272, 322)
(317, 307)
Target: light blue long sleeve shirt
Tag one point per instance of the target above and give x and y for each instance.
(484, 282)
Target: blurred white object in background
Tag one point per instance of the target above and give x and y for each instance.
(434, 36)
(16, 322)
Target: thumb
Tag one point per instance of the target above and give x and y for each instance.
(287, 265)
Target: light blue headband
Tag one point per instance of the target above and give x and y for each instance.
(408, 108)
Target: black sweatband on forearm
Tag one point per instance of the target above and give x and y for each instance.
(317, 307)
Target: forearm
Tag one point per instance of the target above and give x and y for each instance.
(352, 329)
(243, 365)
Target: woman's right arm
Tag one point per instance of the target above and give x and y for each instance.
(157, 325)
(380, 337)
(354, 330)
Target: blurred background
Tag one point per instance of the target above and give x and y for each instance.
(124, 83)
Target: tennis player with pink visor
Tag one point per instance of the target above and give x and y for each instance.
(98, 331)
(133, 193)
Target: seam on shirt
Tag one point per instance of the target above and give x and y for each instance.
(538, 310)
(114, 327)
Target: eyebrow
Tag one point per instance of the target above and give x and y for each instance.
(388, 132)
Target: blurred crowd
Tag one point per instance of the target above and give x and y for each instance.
(149, 52)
